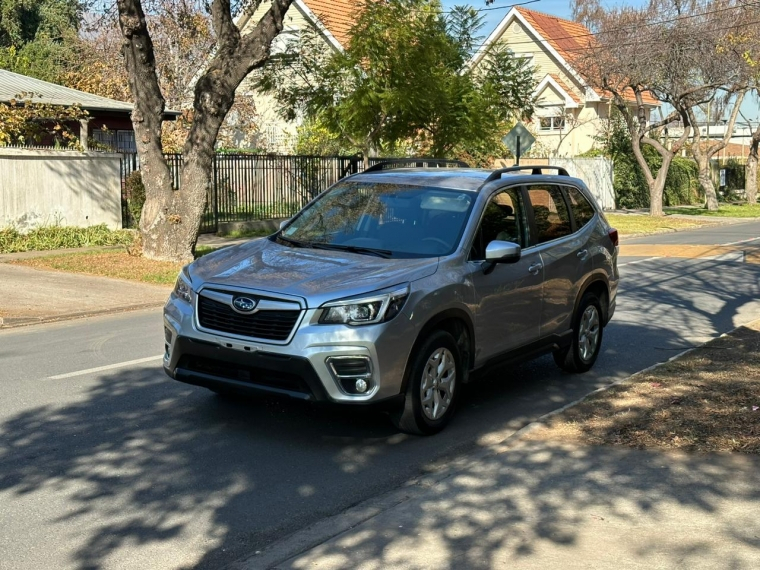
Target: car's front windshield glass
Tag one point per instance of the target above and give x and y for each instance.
(385, 219)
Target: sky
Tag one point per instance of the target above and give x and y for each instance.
(561, 8)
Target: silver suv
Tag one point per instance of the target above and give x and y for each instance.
(396, 285)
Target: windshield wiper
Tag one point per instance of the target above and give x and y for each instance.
(385, 253)
(292, 242)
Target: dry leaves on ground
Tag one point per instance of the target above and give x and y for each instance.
(706, 401)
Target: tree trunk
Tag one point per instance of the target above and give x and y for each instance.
(656, 184)
(706, 182)
(657, 188)
(750, 178)
(171, 217)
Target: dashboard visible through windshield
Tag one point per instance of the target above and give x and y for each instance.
(382, 219)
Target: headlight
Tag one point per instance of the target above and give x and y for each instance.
(182, 287)
(369, 310)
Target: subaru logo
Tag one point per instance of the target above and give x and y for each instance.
(243, 304)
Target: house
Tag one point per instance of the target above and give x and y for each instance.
(570, 114)
(108, 123)
(332, 19)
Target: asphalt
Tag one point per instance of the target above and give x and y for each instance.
(135, 471)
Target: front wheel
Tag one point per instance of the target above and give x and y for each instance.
(432, 386)
(581, 355)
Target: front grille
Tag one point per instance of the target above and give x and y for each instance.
(249, 374)
(269, 325)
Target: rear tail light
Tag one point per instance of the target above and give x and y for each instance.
(613, 236)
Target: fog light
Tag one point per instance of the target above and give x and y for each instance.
(361, 385)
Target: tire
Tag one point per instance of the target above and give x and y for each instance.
(420, 416)
(588, 331)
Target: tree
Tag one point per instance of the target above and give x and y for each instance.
(669, 49)
(26, 120)
(749, 40)
(183, 37)
(703, 153)
(403, 81)
(171, 217)
(36, 35)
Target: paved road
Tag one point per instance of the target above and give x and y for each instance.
(108, 466)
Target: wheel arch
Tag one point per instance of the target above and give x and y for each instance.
(599, 284)
(456, 322)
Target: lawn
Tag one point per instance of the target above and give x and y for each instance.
(724, 211)
(633, 224)
(117, 264)
(704, 401)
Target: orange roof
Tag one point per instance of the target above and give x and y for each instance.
(568, 39)
(567, 89)
(336, 15)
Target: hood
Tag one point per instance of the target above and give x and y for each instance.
(316, 275)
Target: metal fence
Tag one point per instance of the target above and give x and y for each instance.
(249, 187)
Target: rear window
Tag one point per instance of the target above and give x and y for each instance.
(583, 211)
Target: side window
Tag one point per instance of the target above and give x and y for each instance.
(549, 212)
(503, 219)
(583, 211)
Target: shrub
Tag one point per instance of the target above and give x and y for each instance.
(59, 237)
(134, 190)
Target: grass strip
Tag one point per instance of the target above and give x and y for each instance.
(704, 401)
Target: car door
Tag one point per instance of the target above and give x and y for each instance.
(561, 252)
(508, 297)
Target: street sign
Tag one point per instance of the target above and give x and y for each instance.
(518, 140)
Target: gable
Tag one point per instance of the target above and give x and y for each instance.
(331, 19)
(559, 40)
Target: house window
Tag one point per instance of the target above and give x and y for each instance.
(120, 141)
(552, 123)
(125, 141)
(105, 138)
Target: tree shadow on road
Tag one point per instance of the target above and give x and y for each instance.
(137, 470)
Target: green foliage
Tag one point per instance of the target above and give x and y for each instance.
(135, 194)
(37, 36)
(314, 139)
(59, 237)
(630, 185)
(403, 82)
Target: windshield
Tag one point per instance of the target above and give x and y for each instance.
(388, 220)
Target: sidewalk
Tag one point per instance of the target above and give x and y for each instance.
(30, 296)
(544, 506)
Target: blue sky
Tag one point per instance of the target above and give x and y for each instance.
(496, 11)
(561, 8)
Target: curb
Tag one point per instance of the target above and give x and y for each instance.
(15, 322)
(331, 527)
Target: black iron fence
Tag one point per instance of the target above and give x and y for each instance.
(249, 187)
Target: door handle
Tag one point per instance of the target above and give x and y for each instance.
(535, 268)
(582, 254)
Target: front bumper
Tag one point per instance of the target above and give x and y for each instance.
(299, 369)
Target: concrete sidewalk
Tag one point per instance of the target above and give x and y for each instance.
(29, 296)
(540, 506)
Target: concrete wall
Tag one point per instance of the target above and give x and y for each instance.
(596, 172)
(68, 188)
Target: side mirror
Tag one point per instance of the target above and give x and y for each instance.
(284, 223)
(500, 252)
(503, 252)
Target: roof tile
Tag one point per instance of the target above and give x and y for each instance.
(336, 15)
(568, 39)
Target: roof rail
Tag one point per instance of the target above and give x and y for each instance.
(416, 163)
(536, 170)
